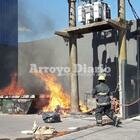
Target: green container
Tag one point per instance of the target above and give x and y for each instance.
(7, 106)
(0, 105)
(15, 106)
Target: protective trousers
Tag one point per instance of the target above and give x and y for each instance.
(104, 110)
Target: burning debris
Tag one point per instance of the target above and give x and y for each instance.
(56, 93)
(13, 88)
(14, 98)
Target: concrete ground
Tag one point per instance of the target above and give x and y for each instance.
(129, 130)
(12, 125)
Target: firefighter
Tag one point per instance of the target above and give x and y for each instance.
(103, 99)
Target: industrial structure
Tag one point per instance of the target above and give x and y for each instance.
(97, 13)
(93, 11)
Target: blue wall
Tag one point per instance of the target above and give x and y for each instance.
(9, 22)
(8, 40)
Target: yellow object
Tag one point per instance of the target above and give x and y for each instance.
(101, 78)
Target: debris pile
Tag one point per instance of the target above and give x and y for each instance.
(51, 117)
(40, 131)
(115, 105)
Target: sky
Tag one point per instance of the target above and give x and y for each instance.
(39, 19)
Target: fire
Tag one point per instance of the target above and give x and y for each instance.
(13, 88)
(48, 101)
(83, 107)
(57, 97)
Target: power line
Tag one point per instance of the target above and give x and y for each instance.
(133, 10)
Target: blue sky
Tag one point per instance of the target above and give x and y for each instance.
(39, 19)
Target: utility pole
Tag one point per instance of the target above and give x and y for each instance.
(138, 59)
(122, 56)
(73, 59)
(118, 8)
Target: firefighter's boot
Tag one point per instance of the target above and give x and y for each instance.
(99, 123)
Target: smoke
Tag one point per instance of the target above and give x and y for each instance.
(23, 29)
(23, 20)
(33, 23)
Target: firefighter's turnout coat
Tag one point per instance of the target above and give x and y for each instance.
(102, 94)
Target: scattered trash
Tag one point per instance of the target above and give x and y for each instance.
(73, 128)
(45, 130)
(27, 132)
(40, 130)
(51, 117)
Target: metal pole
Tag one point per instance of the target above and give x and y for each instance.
(122, 57)
(118, 8)
(73, 59)
(138, 61)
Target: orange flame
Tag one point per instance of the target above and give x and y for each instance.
(83, 107)
(58, 97)
(13, 88)
(57, 94)
(53, 96)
